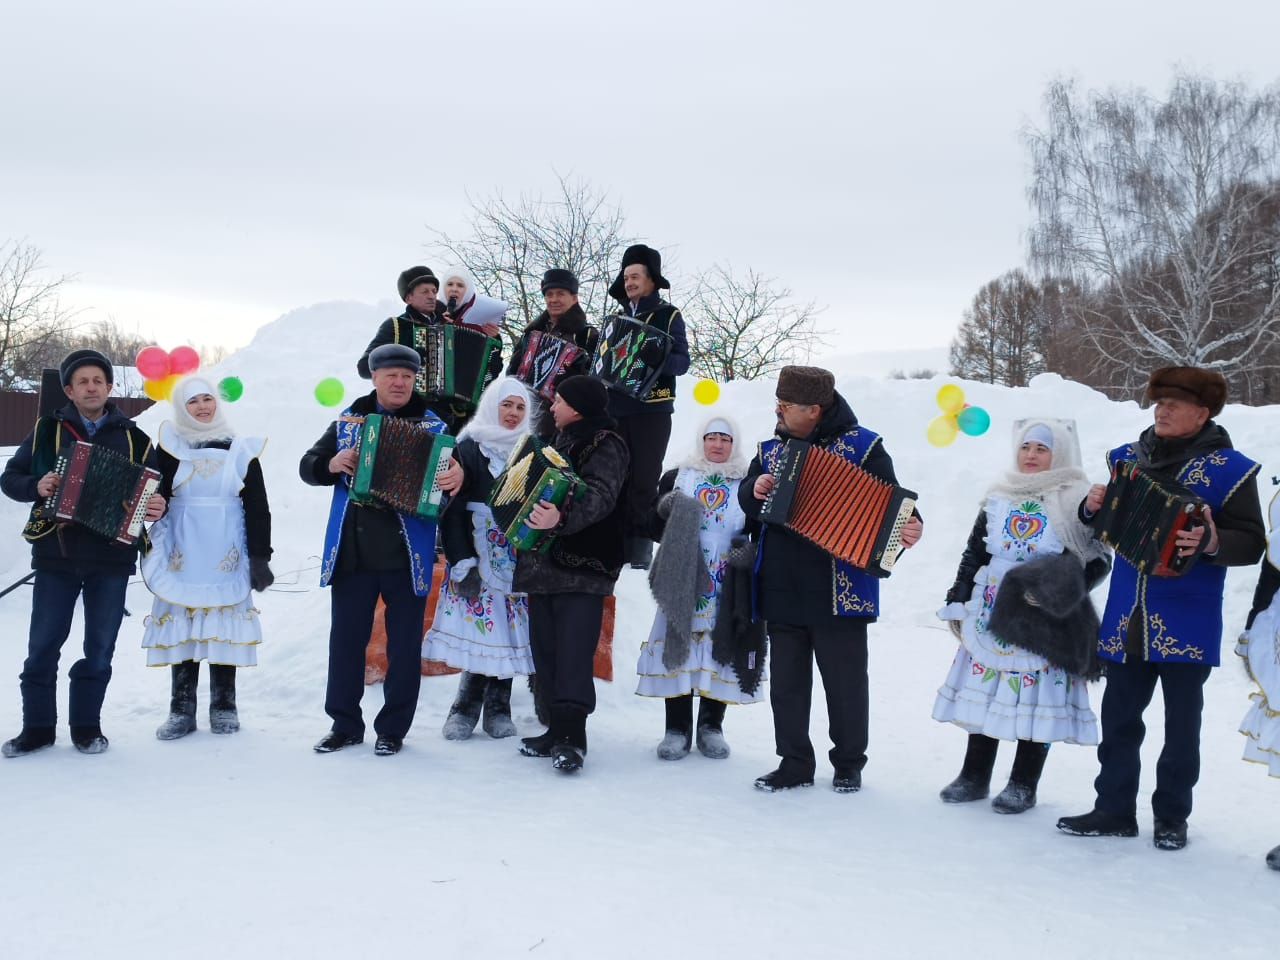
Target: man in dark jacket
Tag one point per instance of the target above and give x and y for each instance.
(645, 424)
(563, 318)
(70, 560)
(372, 551)
(815, 605)
(1169, 629)
(568, 584)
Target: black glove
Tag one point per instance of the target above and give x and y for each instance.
(260, 575)
(654, 353)
(469, 587)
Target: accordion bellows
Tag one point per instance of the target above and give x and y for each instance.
(545, 361)
(535, 472)
(398, 465)
(1142, 516)
(630, 355)
(101, 490)
(455, 362)
(839, 507)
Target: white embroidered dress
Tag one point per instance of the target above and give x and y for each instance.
(722, 519)
(994, 687)
(198, 565)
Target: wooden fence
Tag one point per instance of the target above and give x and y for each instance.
(18, 413)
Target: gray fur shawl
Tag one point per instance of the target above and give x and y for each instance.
(679, 576)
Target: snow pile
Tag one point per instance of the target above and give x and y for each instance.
(427, 850)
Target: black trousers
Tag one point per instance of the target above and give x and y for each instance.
(840, 647)
(353, 598)
(646, 435)
(1129, 690)
(564, 629)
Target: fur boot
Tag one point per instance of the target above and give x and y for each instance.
(974, 782)
(465, 712)
(182, 701)
(1019, 795)
(497, 709)
(223, 717)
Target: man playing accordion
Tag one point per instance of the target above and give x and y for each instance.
(70, 560)
(1168, 629)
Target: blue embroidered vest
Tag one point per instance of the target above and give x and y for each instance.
(419, 535)
(1180, 617)
(853, 593)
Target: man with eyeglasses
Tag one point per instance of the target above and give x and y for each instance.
(816, 605)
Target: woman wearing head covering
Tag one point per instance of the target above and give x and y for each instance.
(1025, 646)
(698, 518)
(480, 626)
(207, 553)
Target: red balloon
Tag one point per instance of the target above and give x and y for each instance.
(152, 363)
(183, 360)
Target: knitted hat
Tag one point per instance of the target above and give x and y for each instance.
(1208, 388)
(557, 279)
(412, 277)
(76, 359)
(806, 385)
(585, 394)
(394, 355)
(646, 257)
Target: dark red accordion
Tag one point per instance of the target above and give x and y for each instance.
(1142, 516)
(839, 507)
(101, 490)
(545, 361)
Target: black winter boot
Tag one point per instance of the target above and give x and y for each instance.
(679, 736)
(711, 742)
(974, 782)
(1099, 823)
(569, 731)
(29, 740)
(497, 709)
(1019, 795)
(89, 738)
(1273, 858)
(222, 699)
(182, 702)
(465, 712)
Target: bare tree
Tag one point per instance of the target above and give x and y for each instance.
(999, 340)
(1156, 205)
(512, 243)
(32, 320)
(745, 327)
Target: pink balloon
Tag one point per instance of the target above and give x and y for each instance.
(183, 360)
(152, 363)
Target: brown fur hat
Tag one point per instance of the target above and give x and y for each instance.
(1208, 388)
(806, 385)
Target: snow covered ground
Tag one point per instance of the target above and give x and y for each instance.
(254, 846)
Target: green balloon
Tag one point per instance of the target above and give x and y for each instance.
(974, 421)
(329, 392)
(231, 389)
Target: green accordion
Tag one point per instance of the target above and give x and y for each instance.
(455, 362)
(535, 472)
(398, 465)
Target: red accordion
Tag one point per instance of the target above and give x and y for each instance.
(547, 358)
(1141, 518)
(101, 490)
(839, 507)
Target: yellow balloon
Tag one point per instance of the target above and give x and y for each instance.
(950, 398)
(942, 431)
(160, 389)
(706, 392)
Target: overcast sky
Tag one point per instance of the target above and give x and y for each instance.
(203, 168)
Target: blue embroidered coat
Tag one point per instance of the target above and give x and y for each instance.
(1178, 619)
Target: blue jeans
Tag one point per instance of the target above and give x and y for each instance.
(53, 605)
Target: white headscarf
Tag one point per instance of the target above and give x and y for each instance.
(496, 441)
(468, 295)
(736, 466)
(187, 426)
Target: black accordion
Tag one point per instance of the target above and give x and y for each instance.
(535, 471)
(455, 362)
(545, 361)
(839, 507)
(630, 355)
(101, 490)
(398, 465)
(1141, 518)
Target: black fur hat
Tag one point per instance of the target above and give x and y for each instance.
(1208, 388)
(646, 257)
(76, 359)
(412, 277)
(559, 279)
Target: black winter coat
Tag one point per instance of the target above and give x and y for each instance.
(586, 556)
(656, 312)
(257, 512)
(371, 540)
(456, 528)
(70, 547)
(794, 580)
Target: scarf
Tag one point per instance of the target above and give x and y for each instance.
(494, 440)
(187, 426)
(735, 468)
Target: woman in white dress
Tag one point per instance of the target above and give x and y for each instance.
(697, 519)
(480, 626)
(1260, 647)
(207, 553)
(1004, 687)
